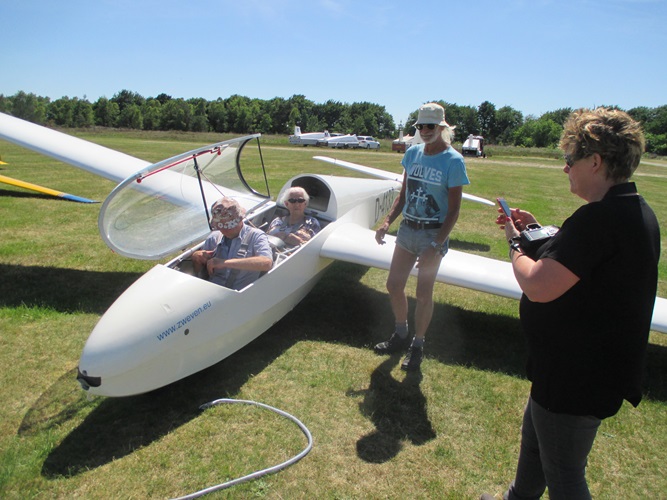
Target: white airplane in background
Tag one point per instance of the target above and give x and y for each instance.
(307, 139)
(170, 324)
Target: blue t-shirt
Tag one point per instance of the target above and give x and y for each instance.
(429, 178)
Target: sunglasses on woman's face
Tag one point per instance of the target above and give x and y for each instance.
(430, 126)
(297, 200)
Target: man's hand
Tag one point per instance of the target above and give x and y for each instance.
(381, 232)
(213, 264)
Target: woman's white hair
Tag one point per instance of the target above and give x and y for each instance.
(290, 192)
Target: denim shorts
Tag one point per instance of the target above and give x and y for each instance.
(416, 241)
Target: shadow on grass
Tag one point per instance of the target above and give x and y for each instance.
(116, 427)
(64, 290)
(397, 408)
(26, 194)
(466, 246)
(340, 309)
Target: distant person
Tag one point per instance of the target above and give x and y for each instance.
(235, 254)
(430, 200)
(586, 307)
(297, 227)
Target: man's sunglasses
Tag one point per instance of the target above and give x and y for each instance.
(430, 126)
(297, 200)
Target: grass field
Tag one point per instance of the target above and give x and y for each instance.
(451, 432)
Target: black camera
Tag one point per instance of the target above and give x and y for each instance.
(534, 236)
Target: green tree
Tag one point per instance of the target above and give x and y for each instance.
(657, 124)
(151, 112)
(642, 114)
(29, 107)
(278, 110)
(126, 98)
(508, 120)
(301, 113)
(559, 116)
(540, 133)
(466, 120)
(82, 113)
(176, 115)
(5, 104)
(106, 112)
(199, 121)
(131, 117)
(656, 144)
(163, 98)
(242, 114)
(486, 118)
(217, 116)
(330, 115)
(60, 111)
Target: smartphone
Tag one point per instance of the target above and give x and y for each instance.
(503, 204)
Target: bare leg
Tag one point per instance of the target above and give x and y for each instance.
(424, 309)
(402, 263)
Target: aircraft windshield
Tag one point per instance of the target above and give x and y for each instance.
(164, 207)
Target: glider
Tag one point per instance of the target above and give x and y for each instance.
(170, 324)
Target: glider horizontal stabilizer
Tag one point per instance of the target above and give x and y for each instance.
(383, 174)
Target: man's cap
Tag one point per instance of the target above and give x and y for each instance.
(226, 213)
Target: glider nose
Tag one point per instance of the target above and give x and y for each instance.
(87, 381)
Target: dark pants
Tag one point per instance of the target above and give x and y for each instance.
(554, 453)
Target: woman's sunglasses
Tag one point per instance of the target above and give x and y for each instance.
(297, 200)
(430, 126)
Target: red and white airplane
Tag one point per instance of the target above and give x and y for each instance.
(170, 324)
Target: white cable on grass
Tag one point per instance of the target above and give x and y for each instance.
(263, 472)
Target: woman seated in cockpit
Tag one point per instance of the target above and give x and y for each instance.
(297, 227)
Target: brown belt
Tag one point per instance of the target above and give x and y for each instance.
(422, 225)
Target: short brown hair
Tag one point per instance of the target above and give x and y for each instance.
(611, 133)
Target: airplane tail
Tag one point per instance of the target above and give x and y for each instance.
(383, 174)
(297, 130)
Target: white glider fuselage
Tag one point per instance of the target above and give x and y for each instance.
(170, 324)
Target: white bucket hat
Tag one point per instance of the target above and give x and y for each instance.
(431, 113)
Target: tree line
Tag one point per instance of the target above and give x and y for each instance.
(242, 115)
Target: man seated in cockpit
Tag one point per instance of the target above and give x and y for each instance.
(235, 254)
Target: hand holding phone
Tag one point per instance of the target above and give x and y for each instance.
(506, 209)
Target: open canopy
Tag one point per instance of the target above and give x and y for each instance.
(164, 207)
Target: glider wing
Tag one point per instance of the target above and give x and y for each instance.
(353, 243)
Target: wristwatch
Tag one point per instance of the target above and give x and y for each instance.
(439, 247)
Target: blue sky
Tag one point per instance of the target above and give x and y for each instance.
(532, 55)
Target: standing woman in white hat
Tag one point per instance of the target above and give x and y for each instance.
(429, 200)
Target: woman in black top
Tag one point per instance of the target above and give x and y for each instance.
(587, 304)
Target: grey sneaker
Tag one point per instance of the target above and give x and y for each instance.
(413, 359)
(394, 344)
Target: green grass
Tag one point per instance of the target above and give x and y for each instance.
(452, 432)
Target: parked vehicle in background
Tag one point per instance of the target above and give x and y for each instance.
(368, 142)
(473, 146)
(401, 144)
(308, 139)
(341, 141)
